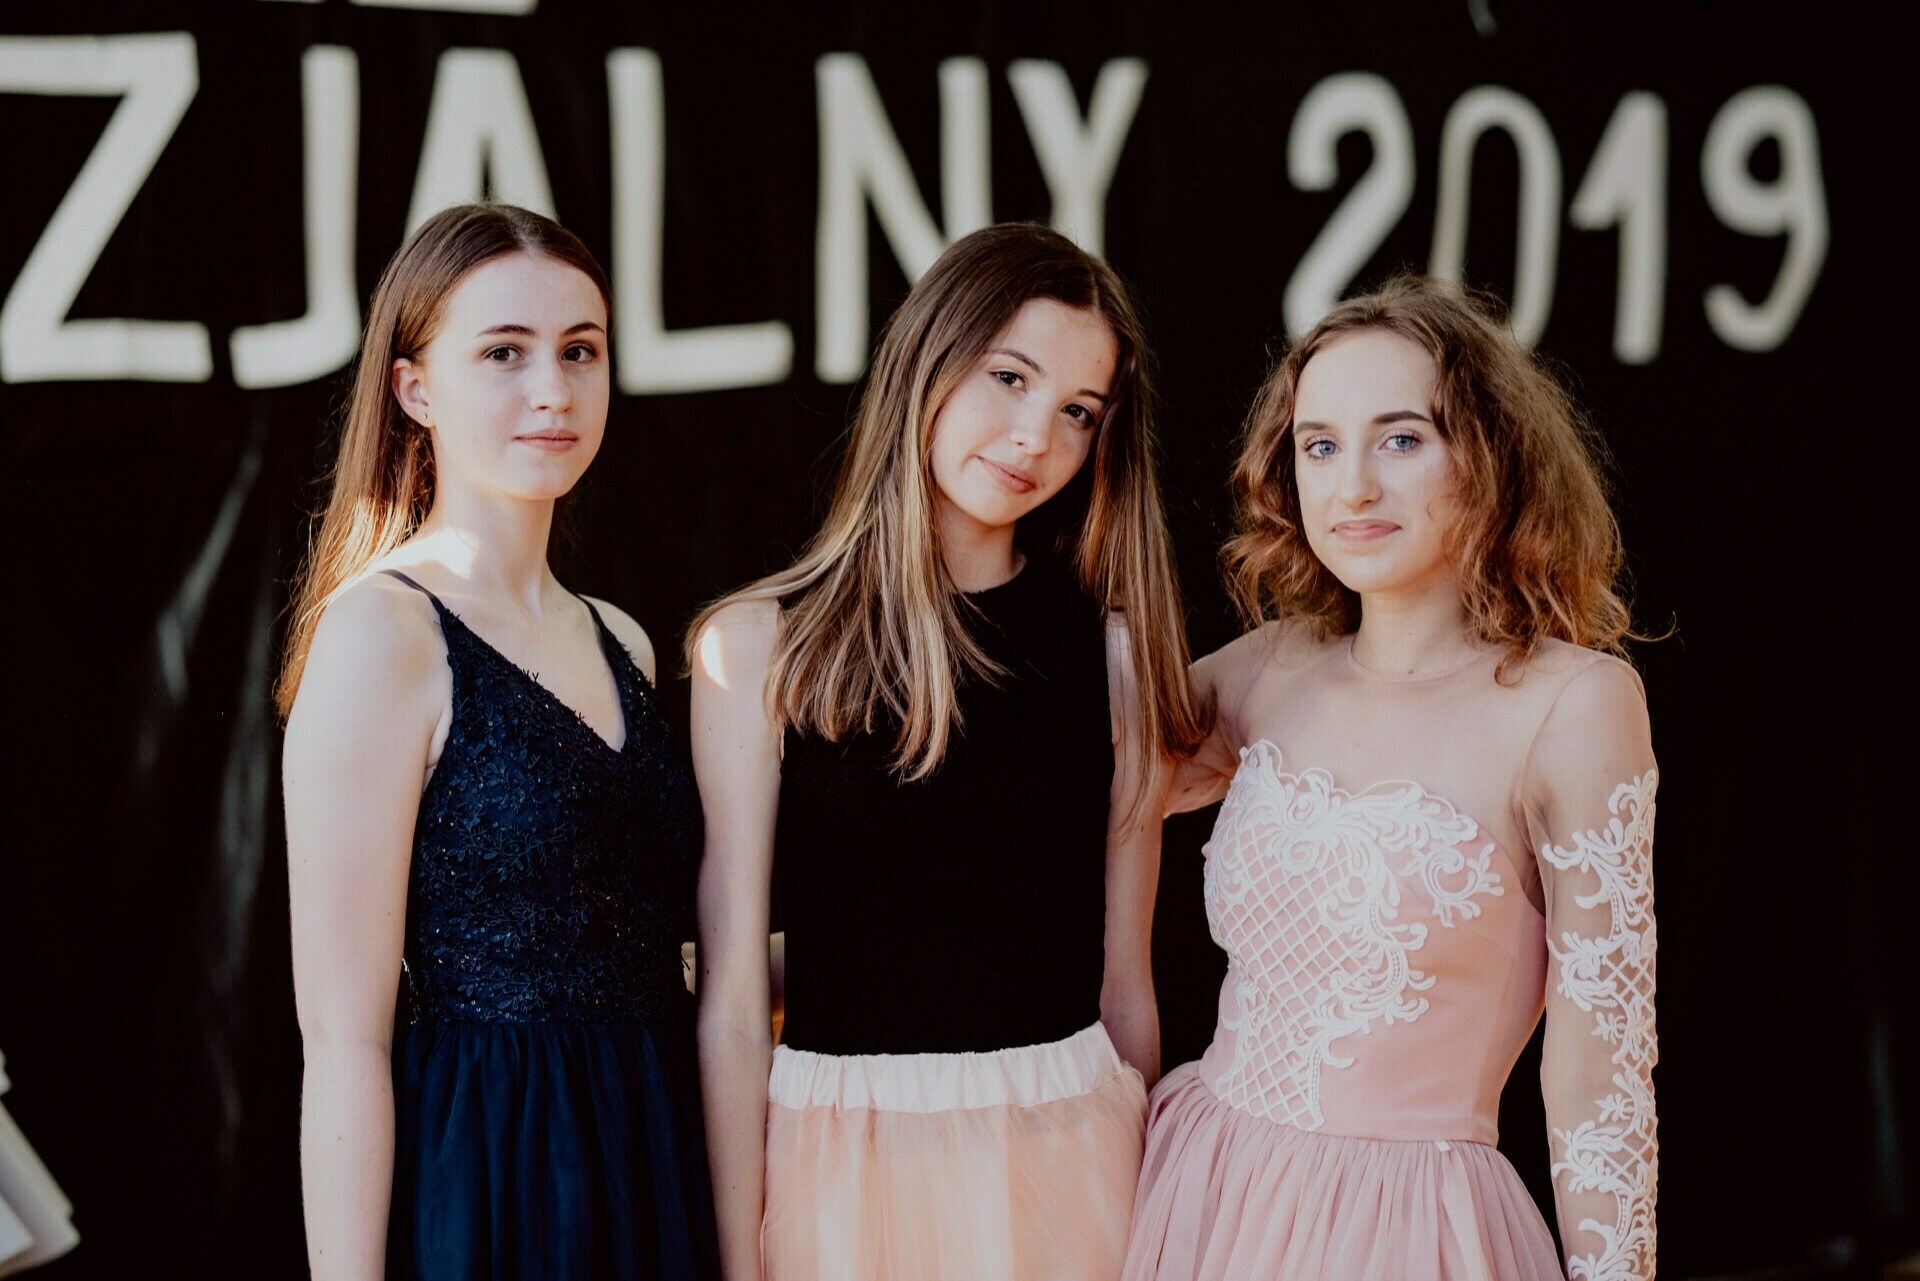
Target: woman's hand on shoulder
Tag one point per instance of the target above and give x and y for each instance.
(1221, 681)
(629, 633)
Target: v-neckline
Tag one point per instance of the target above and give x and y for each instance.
(573, 713)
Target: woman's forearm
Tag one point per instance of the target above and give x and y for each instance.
(1132, 1021)
(346, 1159)
(735, 1060)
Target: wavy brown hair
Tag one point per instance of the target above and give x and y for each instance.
(382, 483)
(871, 622)
(1536, 544)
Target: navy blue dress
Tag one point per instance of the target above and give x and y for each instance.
(546, 1092)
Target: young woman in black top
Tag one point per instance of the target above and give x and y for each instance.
(952, 739)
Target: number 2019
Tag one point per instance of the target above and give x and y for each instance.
(1625, 186)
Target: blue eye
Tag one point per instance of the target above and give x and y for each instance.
(1319, 448)
(1402, 442)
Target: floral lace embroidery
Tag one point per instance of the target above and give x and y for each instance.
(1303, 885)
(1612, 977)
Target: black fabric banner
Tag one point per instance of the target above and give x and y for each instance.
(200, 197)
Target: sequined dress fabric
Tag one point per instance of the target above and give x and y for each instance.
(545, 1082)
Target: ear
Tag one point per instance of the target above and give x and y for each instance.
(410, 389)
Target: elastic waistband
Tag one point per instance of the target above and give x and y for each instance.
(1021, 1077)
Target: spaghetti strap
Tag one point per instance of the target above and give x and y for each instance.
(437, 605)
(609, 642)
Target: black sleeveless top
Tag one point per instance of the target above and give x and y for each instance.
(553, 877)
(965, 911)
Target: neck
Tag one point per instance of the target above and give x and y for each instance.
(497, 545)
(1414, 633)
(978, 556)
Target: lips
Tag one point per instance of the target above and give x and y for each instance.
(1012, 479)
(1363, 531)
(553, 440)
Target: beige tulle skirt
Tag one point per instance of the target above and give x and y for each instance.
(1228, 1196)
(1018, 1164)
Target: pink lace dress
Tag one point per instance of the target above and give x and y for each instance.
(1405, 874)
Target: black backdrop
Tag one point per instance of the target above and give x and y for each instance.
(1716, 161)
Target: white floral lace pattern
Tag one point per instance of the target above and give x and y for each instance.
(1304, 892)
(1615, 1150)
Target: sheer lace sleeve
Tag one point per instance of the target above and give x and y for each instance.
(1590, 787)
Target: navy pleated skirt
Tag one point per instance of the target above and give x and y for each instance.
(549, 1151)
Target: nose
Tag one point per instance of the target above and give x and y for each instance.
(1359, 480)
(1033, 429)
(548, 387)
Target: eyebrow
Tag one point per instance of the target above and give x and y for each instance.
(1033, 364)
(523, 331)
(1391, 416)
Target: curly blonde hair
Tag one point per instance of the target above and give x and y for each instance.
(1536, 545)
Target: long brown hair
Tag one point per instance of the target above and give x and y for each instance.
(382, 483)
(1536, 544)
(871, 621)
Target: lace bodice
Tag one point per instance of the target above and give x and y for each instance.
(552, 875)
(1405, 875)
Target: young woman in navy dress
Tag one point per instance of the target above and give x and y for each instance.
(488, 824)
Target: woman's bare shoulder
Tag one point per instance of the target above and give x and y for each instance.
(377, 658)
(628, 632)
(376, 625)
(1279, 644)
(736, 642)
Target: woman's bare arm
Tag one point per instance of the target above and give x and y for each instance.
(1127, 1006)
(1221, 679)
(736, 755)
(356, 752)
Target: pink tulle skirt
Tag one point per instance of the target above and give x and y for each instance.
(1228, 1196)
(1016, 1165)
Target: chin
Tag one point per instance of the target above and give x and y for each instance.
(542, 489)
(1368, 579)
(993, 511)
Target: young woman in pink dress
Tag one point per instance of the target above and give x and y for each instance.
(942, 729)
(1438, 823)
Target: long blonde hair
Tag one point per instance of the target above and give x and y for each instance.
(382, 483)
(871, 621)
(1537, 545)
